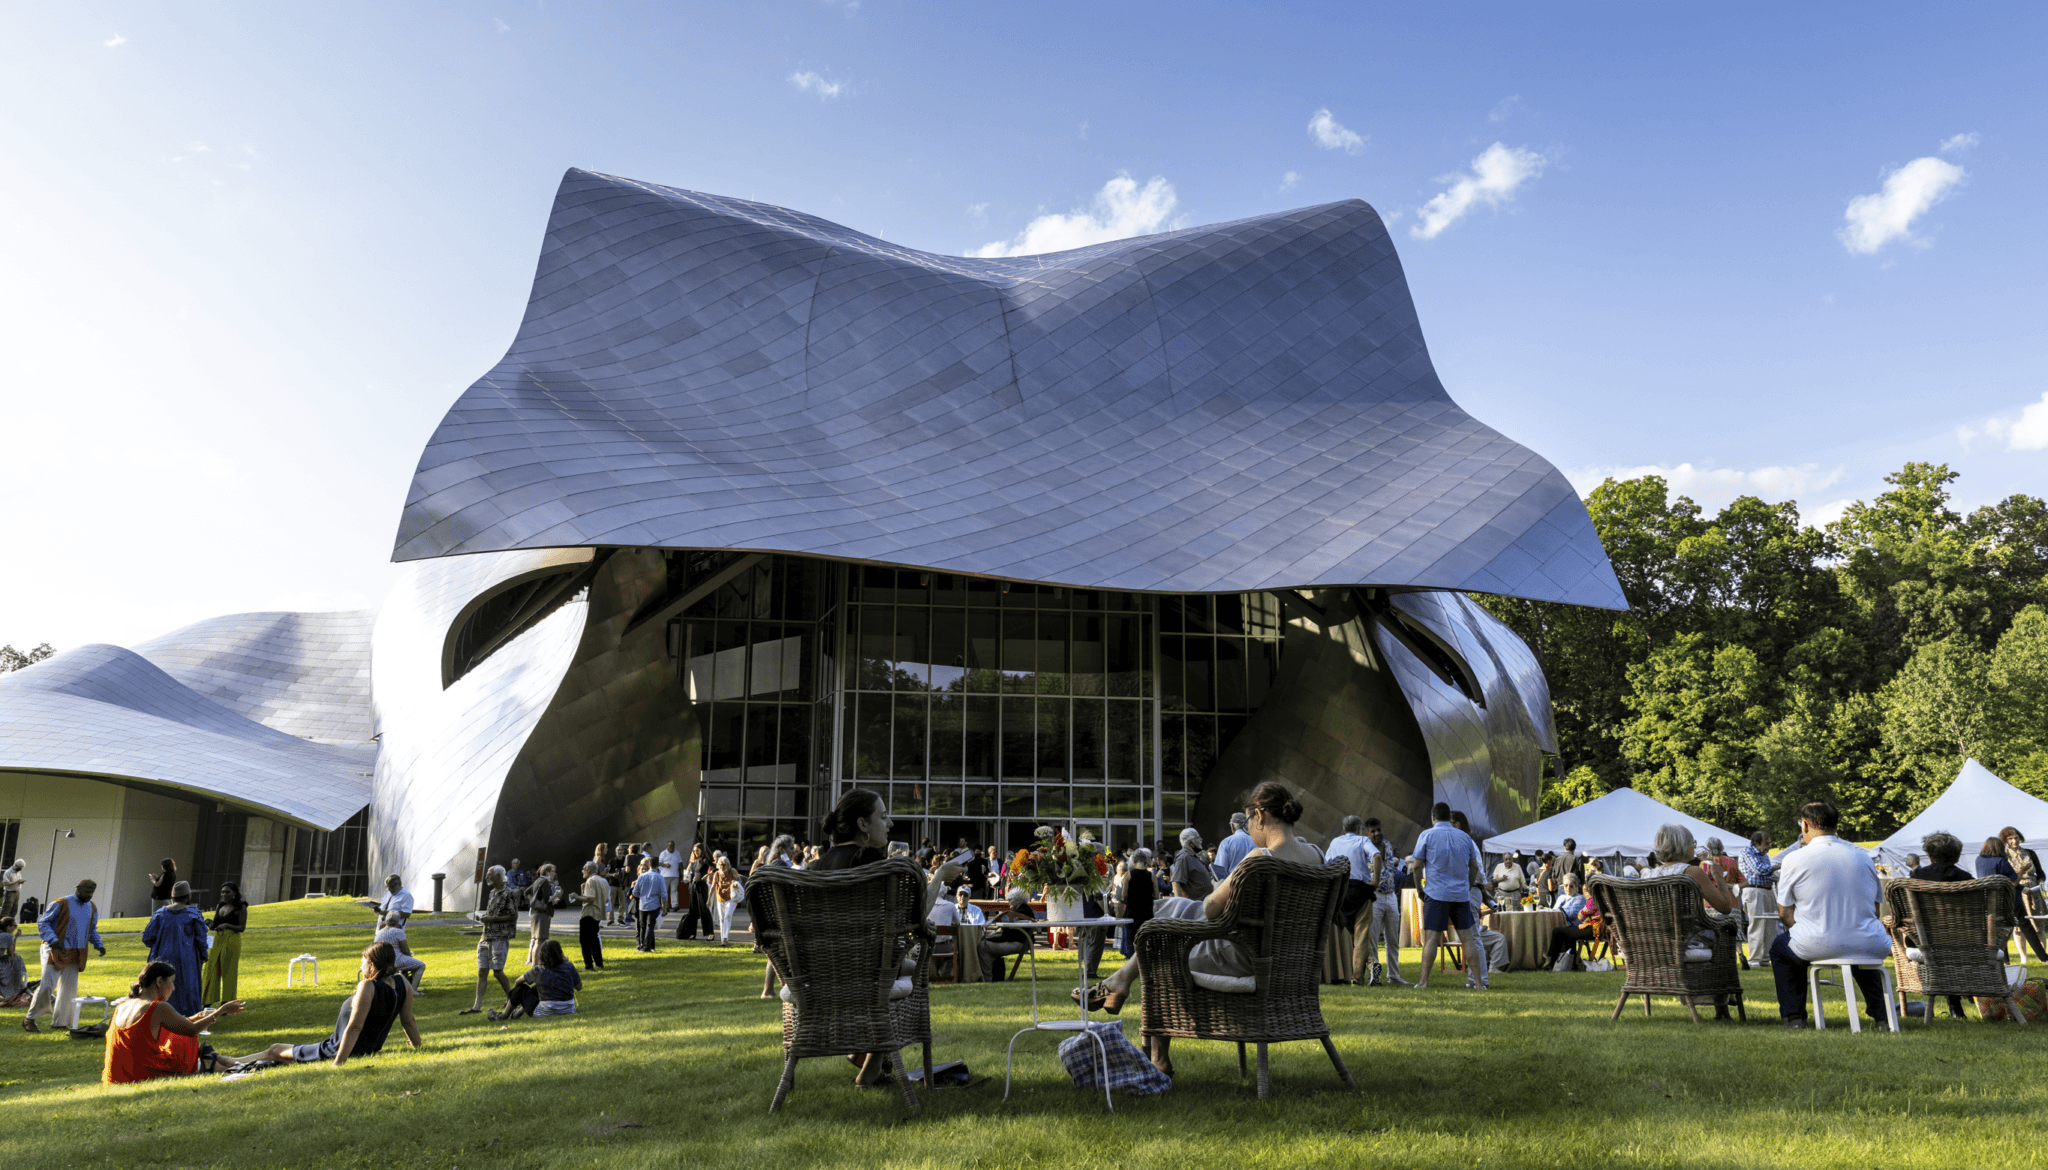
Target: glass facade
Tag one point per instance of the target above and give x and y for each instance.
(336, 864)
(981, 708)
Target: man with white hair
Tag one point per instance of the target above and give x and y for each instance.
(1190, 875)
(1235, 848)
(500, 918)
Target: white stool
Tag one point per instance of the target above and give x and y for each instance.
(1847, 965)
(78, 1006)
(292, 970)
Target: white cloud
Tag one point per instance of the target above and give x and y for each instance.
(2028, 432)
(502, 26)
(1330, 134)
(978, 212)
(1289, 181)
(810, 82)
(1907, 194)
(1713, 488)
(1120, 210)
(115, 41)
(1959, 142)
(1497, 173)
(1507, 106)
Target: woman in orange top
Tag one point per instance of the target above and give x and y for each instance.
(150, 1038)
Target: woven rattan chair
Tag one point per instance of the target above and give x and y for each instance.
(1960, 932)
(841, 939)
(1279, 917)
(1648, 922)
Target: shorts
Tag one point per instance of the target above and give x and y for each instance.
(555, 1007)
(490, 954)
(1442, 916)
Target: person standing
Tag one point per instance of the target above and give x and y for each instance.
(67, 926)
(1354, 910)
(1827, 898)
(593, 898)
(1141, 894)
(1569, 862)
(500, 918)
(224, 961)
(725, 895)
(540, 914)
(1759, 904)
(1385, 923)
(977, 872)
(11, 881)
(160, 885)
(1448, 863)
(176, 935)
(1191, 876)
(1991, 862)
(698, 911)
(1493, 945)
(648, 891)
(671, 876)
(1233, 848)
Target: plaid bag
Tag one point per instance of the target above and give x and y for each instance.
(2033, 999)
(1129, 1070)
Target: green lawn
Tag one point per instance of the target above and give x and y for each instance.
(679, 1045)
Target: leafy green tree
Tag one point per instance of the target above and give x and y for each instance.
(1698, 710)
(12, 659)
(2016, 716)
(1571, 790)
(1934, 719)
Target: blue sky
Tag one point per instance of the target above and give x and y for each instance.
(254, 252)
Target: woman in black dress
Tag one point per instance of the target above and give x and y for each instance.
(365, 1019)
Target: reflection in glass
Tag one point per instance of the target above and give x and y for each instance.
(981, 800)
(980, 736)
(984, 634)
(1017, 801)
(761, 736)
(1088, 745)
(909, 655)
(911, 721)
(1088, 801)
(1019, 761)
(1086, 677)
(1197, 660)
(1174, 743)
(1201, 749)
(1052, 739)
(1020, 652)
(1121, 741)
(1172, 677)
(1052, 653)
(945, 800)
(949, 650)
(947, 717)
(871, 756)
(1230, 688)
(1052, 802)
(1123, 802)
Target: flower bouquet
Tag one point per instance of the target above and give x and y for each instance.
(1067, 868)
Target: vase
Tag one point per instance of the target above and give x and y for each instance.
(1064, 908)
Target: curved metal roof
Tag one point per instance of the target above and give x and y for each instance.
(108, 713)
(1238, 407)
(305, 674)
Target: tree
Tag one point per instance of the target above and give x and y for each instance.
(12, 659)
(1934, 719)
(2016, 712)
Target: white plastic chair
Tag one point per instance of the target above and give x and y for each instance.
(1846, 965)
(292, 971)
(78, 1006)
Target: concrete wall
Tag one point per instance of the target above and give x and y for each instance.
(263, 860)
(121, 835)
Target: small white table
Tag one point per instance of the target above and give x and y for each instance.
(1079, 1024)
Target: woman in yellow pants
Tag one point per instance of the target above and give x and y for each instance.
(224, 961)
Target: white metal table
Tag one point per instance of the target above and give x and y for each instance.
(1078, 1025)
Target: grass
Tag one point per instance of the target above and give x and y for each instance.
(675, 1058)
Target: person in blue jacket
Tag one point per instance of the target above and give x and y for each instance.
(176, 935)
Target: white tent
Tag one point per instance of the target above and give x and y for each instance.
(1976, 806)
(1623, 821)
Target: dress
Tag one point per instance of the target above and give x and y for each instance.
(134, 1055)
(369, 1041)
(1140, 895)
(224, 962)
(176, 935)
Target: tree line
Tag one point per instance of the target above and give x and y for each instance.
(1764, 662)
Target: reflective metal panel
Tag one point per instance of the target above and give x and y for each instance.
(1231, 408)
(307, 674)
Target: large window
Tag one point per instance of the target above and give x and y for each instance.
(1217, 658)
(335, 864)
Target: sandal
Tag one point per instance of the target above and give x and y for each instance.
(469, 1011)
(1101, 998)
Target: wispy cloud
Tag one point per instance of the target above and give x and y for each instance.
(1289, 180)
(1120, 210)
(2028, 431)
(978, 212)
(1507, 106)
(1716, 487)
(115, 41)
(1497, 173)
(1330, 134)
(1908, 192)
(1956, 144)
(810, 82)
(502, 26)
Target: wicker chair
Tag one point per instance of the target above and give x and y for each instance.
(1648, 921)
(840, 939)
(1279, 917)
(1960, 931)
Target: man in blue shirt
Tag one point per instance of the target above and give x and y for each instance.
(67, 928)
(1759, 874)
(1234, 848)
(648, 891)
(1351, 847)
(1447, 861)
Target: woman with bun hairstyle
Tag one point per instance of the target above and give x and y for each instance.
(858, 827)
(1269, 818)
(150, 1038)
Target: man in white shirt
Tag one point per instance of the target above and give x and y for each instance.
(671, 875)
(396, 900)
(1828, 893)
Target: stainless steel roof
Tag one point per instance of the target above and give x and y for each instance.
(305, 674)
(109, 713)
(1238, 407)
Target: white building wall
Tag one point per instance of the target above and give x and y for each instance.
(121, 835)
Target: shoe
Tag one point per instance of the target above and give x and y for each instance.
(1796, 1023)
(493, 1014)
(28, 1024)
(1379, 976)
(1101, 999)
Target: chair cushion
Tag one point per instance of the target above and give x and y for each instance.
(900, 989)
(1229, 984)
(1914, 954)
(1698, 955)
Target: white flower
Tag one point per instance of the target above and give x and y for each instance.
(1044, 831)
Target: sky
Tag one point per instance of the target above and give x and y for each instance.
(252, 253)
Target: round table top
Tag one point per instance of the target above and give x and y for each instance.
(1064, 924)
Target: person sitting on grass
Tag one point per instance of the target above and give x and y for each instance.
(500, 918)
(392, 930)
(1269, 819)
(13, 972)
(366, 1016)
(150, 1038)
(548, 988)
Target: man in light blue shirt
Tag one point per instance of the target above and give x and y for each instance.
(67, 928)
(648, 891)
(1354, 849)
(1234, 848)
(1447, 862)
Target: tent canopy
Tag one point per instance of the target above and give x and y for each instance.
(1976, 806)
(1623, 821)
